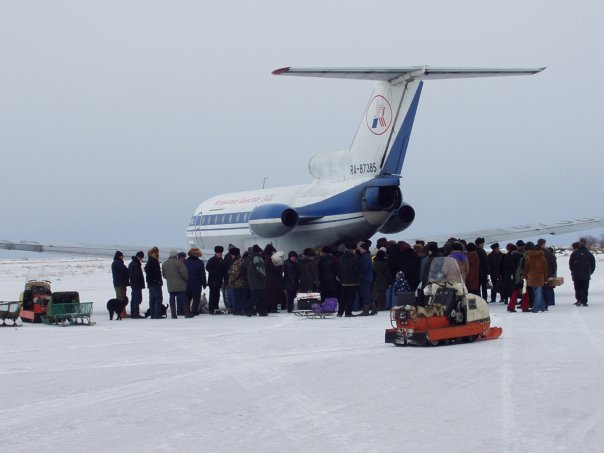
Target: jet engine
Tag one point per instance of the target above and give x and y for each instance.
(381, 198)
(272, 220)
(400, 220)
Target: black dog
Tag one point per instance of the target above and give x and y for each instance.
(116, 306)
(164, 311)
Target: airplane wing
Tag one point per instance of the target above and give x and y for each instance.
(79, 249)
(393, 75)
(523, 231)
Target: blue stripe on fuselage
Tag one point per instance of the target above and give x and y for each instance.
(346, 202)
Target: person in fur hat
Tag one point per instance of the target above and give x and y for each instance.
(535, 273)
(216, 268)
(273, 263)
(176, 275)
(256, 279)
(197, 279)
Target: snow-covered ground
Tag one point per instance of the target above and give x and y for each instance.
(283, 383)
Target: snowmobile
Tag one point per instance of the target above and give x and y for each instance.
(442, 312)
(35, 299)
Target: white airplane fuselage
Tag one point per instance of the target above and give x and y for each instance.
(328, 213)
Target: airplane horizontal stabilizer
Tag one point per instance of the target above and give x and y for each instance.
(395, 75)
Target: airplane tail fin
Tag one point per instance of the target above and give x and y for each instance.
(380, 144)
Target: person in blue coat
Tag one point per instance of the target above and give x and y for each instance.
(197, 279)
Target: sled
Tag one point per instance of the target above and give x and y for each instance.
(320, 310)
(10, 310)
(65, 309)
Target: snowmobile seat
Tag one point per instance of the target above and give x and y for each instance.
(407, 298)
(447, 297)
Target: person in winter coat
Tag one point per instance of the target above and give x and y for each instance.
(409, 263)
(274, 278)
(549, 297)
(582, 264)
(216, 268)
(308, 272)
(237, 282)
(121, 280)
(226, 289)
(328, 273)
(511, 278)
(175, 272)
(401, 284)
(291, 279)
(495, 259)
(462, 260)
(381, 279)
(366, 287)
(473, 278)
(256, 280)
(154, 283)
(535, 273)
(245, 263)
(137, 284)
(483, 270)
(196, 280)
(350, 279)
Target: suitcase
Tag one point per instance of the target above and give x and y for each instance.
(305, 300)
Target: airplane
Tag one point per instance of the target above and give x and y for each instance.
(354, 194)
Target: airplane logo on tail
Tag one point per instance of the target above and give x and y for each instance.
(379, 115)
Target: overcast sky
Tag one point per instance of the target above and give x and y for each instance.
(117, 118)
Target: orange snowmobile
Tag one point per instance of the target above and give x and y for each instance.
(445, 312)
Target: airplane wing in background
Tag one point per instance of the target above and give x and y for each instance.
(79, 249)
(523, 231)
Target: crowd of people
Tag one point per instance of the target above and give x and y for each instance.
(262, 281)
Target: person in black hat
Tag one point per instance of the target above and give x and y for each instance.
(196, 281)
(582, 265)
(495, 259)
(217, 270)
(328, 272)
(137, 284)
(366, 286)
(121, 279)
(291, 279)
(236, 287)
(256, 279)
(483, 270)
